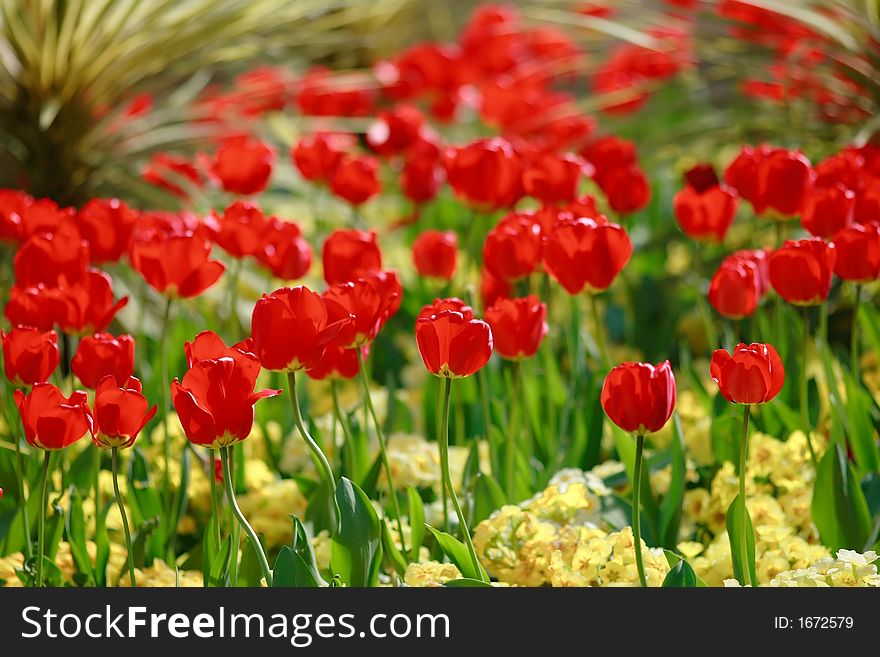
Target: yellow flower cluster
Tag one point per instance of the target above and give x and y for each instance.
(849, 569)
(430, 574)
(555, 539)
(157, 575)
(268, 508)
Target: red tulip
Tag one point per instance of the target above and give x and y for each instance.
(51, 420)
(513, 247)
(317, 156)
(761, 259)
(207, 345)
(362, 300)
(338, 364)
(435, 253)
(518, 326)
(639, 397)
(453, 346)
(29, 355)
(48, 259)
(39, 307)
(349, 254)
(395, 130)
(422, 172)
(285, 251)
(44, 217)
(242, 229)
(485, 173)
(243, 165)
(87, 305)
(706, 214)
(215, 401)
(801, 271)
(753, 374)
(581, 253)
(450, 303)
(103, 355)
(735, 289)
(106, 224)
(356, 179)
(12, 204)
(627, 189)
(701, 177)
(178, 266)
(388, 284)
(777, 180)
(553, 178)
(827, 210)
(169, 171)
(291, 328)
(321, 94)
(121, 412)
(858, 253)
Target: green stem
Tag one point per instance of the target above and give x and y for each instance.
(380, 435)
(702, 304)
(41, 527)
(804, 407)
(235, 552)
(317, 452)
(447, 481)
(25, 521)
(636, 504)
(483, 385)
(252, 535)
(114, 456)
(599, 332)
(346, 431)
(214, 508)
(780, 240)
(855, 358)
(512, 432)
(743, 452)
(166, 406)
(444, 499)
(97, 485)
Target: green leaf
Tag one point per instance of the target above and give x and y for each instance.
(210, 547)
(839, 507)
(861, 429)
(219, 573)
(458, 554)
(102, 545)
(671, 506)
(416, 523)
(81, 473)
(249, 571)
(466, 583)
(75, 529)
(488, 496)
(681, 576)
(742, 561)
(726, 430)
(356, 551)
(291, 571)
(322, 511)
(303, 547)
(392, 553)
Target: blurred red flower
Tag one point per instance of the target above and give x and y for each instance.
(858, 253)
(801, 271)
(177, 265)
(453, 346)
(518, 326)
(584, 253)
(242, 165)
(349, 254)
(435, 253)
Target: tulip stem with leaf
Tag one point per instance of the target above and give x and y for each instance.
(639, 398)
(353, 470)
(317, 452)
(383, 451)
(114, 460)
(752, 374)
(636, 507)
(233, 504)
(447, 479)
(744, 516)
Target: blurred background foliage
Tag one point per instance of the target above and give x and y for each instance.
(70, 69)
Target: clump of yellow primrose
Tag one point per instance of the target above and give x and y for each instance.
(430, 574)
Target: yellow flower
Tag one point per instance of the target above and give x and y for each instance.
(430, 574)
